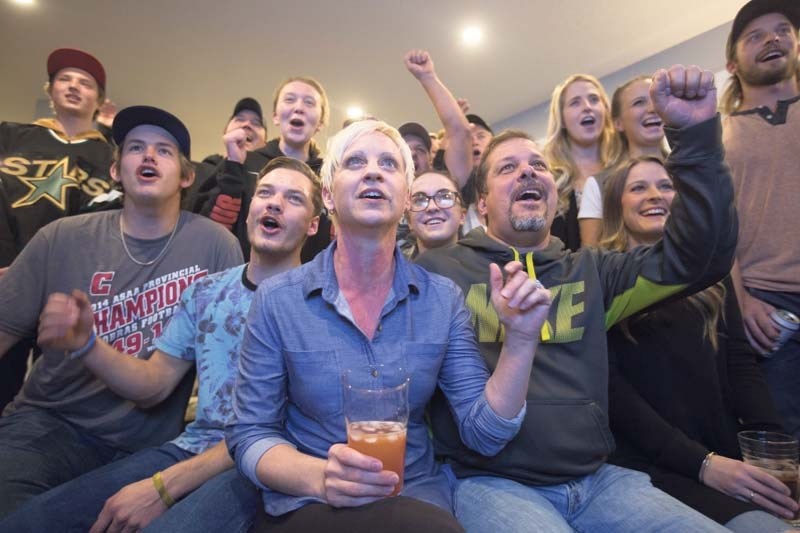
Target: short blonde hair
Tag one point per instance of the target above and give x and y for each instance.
(339, 143)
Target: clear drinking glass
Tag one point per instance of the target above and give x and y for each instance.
(376, 413)
(775, 453)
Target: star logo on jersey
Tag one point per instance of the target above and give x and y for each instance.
(52, 187)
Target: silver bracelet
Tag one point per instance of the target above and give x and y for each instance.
(704, 465)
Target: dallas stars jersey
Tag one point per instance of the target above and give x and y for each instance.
(44, 175)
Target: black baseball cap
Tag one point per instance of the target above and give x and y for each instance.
(133, 116)
(62, 58)
(249, 104)
(417, 130)
(478, 121)
(756, 8)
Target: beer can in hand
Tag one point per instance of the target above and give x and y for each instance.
(788, 324)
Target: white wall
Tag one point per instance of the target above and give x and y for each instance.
(706, 50)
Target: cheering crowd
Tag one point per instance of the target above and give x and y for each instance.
(587, 324)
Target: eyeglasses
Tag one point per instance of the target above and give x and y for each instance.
(444, 199)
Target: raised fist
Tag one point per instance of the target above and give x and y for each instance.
(235, 141)
(419, 63)
(684, 96)
(66, 321)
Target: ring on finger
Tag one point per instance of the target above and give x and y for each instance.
(751, 495)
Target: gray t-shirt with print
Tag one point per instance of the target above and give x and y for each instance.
(131, 304)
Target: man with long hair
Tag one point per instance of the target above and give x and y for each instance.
(761, 136)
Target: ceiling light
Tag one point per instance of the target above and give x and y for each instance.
(23, 2)
(472, 35)
(355, 112)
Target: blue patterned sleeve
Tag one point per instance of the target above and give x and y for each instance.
(178, 340)
(259, 404)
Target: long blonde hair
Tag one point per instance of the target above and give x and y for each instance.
(614, 236)
(558, 149)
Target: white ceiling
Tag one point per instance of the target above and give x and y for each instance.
(196, 58)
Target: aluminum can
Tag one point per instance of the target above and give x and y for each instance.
(788, 324)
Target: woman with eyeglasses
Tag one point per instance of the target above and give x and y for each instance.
(436, 212)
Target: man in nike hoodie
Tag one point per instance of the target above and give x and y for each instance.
(552, 476)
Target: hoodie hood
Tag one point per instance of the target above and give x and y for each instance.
(478, 240)
(54, 126)
(272, 150)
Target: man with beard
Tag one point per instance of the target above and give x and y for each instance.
(189, 483)
(553, 476)
(761, 137)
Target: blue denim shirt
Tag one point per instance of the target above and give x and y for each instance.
(300, 337)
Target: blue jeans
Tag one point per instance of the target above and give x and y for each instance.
(782, 369)
(39, 451)
(757, 522)
(227, 502)
(612, 499)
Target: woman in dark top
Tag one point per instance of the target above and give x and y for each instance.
(683, 379)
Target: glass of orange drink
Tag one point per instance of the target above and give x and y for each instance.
(376, 414)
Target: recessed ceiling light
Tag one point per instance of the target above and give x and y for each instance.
(23, 2)
(472, 35)
(355, 112)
